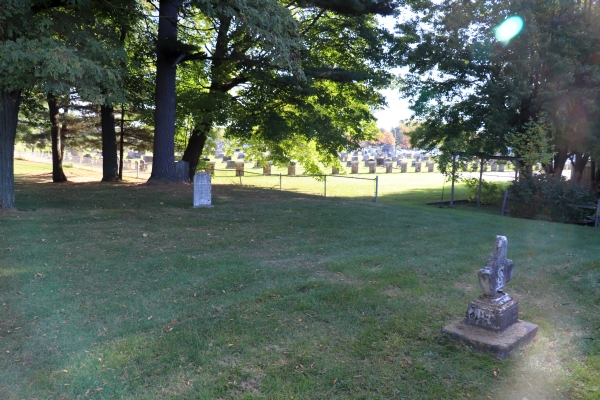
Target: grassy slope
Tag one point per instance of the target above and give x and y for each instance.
(124, 291)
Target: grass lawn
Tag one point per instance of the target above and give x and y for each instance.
(124, 291)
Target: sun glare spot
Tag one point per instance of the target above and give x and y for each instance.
(510, 28)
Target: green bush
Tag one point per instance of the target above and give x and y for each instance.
(542, 196)
(491, 192)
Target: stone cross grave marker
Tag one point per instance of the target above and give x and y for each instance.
(491, 323)
(202, 190)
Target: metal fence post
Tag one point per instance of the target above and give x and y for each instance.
(376, 189)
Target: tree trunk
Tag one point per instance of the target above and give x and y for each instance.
(163, 167)
(193, 151)
(58, 174)
(110, 168)
(560, 158)
(121, 143)
(9, 111)
(195, 146)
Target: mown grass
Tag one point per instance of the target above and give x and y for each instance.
(124, 291)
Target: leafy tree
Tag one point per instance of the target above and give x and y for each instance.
(478, 93)
(34, 58)
(309, 71)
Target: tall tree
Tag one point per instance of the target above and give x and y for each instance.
(478, 91)
(33, 57)
(317, 87)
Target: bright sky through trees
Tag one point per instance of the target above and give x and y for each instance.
(509, 29)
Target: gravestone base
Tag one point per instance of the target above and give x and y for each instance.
(485, 341)
(494, 314)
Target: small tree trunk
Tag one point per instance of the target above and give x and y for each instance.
(9, 111)
(163, 164)
(121, 143)
(58, 174)
(560, 158)
(194, 149)
(110, 169)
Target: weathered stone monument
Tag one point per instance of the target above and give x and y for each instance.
(267, 169)
(354, 167)
(202, 190)
(372, 167)
(335, 170)
(500, 167)
(389, 165)
(491, 324)
(403, 166)
(418, 166)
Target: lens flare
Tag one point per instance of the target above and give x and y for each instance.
(510, 28)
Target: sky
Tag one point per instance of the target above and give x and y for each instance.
(396, 111)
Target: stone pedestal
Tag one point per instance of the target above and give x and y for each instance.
(403, 166)
(267, 170)
(430, 166)
(202, 190)
(389, 167)
(491, 324)
(501, 345)
(292, 169)
(354, 167)
(418, 166)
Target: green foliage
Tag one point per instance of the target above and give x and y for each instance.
(491, 192)
(542, 196)
(534, 144)
(467, 86)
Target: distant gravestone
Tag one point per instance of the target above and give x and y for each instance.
(494, 167)
(241, 156)
(335, 171)
(418, 166)
(380, 161)
(430, 166)
(349, 163)
(292, 169)
(182, 171)
(491, 323)
(210, 169)
(267, 169)
(202, 190)
(354, 167)
(239, 168)
(403, 167)
(354, 158)
(372, 167)
(226, 158)
(230, 164)
(389, 167)
(500, 167)
(474, 167)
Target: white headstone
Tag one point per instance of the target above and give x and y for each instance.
(202, 190)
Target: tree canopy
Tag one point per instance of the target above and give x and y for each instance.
(477, 92)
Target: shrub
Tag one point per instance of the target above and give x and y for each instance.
(491, 192)
(543, 196)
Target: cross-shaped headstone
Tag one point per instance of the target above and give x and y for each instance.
(498, 270)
